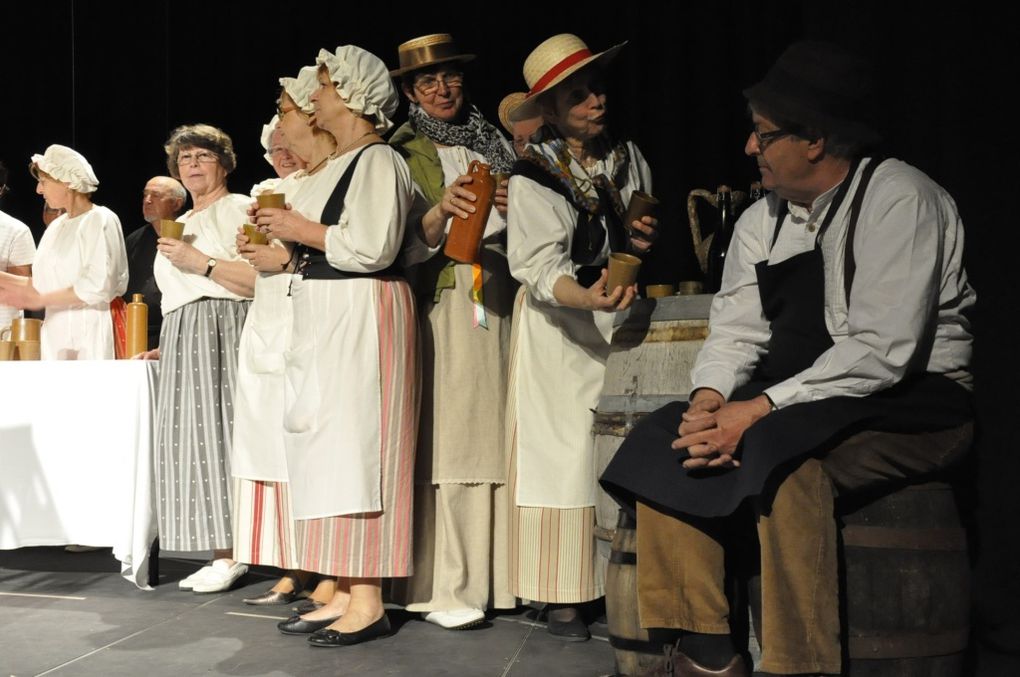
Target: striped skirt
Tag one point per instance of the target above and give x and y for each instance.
(377, 544)
(194, 421)
(552, 554)
(263, 527)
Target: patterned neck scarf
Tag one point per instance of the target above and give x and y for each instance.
(475, 133)
(551, 153)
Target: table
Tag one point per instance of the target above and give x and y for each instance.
(76, 457)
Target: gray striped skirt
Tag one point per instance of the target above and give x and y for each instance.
(194, 423)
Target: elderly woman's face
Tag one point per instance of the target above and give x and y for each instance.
(329, 106)
(284, 161)
(579, 106)
(56, 193)
(200, 170)
(440, 93)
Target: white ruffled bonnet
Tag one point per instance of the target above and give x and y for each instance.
(363, 83)
(300, 89)
(69, 166)
(267, 137)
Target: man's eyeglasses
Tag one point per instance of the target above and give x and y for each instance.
(203, 157)
(429, 84)
(766, 139)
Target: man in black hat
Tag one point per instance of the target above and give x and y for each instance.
(842, 310)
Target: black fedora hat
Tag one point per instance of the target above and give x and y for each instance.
(823, 87)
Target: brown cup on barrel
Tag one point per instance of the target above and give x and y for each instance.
(623, 270)
(689, 287)
(657, 291)
(641, 204)
(271, 200)
(171, 229)
(28, 350)
(25, 329)
(255, 236)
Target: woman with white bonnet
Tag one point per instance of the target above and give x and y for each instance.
(80, 266)
(350, 416)
(263, 526)
(206, 288)
(278, 155)
(568, 194)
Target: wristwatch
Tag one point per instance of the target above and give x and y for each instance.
(212, 264)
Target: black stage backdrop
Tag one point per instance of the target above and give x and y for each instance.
(112, 79)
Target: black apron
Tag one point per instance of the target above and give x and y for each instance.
(792, 294)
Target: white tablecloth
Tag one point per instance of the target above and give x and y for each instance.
(76, 457)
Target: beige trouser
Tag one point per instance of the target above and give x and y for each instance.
(460, 542)
(680, 562)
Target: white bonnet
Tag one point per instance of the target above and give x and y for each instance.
(300, 89)
(363, 83)
(267, 137)
(69, 166)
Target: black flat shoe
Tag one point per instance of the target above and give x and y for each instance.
(566, 623)
(334, 638)
(295, 625)
(308, 606)
(271, 598)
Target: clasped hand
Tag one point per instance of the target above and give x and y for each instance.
(711, 428)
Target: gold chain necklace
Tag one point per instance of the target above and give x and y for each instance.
(340, 151)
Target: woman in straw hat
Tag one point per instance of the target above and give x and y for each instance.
(567, 197)
(350, 410)
(81, 264)
(460, 531)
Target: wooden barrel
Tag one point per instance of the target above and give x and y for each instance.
(905, 584)
(634, 653)
(654, 346)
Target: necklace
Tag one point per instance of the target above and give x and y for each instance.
(340, 151)
(309, 172)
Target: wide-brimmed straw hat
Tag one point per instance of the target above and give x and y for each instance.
(821, 86)
(509, 101)
(428, 50)
(551, 63)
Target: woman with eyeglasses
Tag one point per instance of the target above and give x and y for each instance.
(206, 289)
(263, 530)
(460, 521)
(81, 264)
(568, 196)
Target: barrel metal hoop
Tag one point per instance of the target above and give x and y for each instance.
(908, 645)
(654, 334)
(904, 539)
(638, 645)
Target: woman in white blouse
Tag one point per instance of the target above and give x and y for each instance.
(350, 415)
(206, 289)
(80, 266)
(567, 198)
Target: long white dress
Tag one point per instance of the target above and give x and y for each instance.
(557, 367)
(87, 253)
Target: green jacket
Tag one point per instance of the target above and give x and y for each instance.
(419, 152)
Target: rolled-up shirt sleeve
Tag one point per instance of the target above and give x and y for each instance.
(104, 259)
(370, 233)
(540, 228)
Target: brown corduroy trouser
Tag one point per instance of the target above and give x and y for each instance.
(680, 562)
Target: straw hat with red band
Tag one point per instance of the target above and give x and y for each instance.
(551, 63)
(428, 50)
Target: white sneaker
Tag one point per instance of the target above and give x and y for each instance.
(221, 577)
(459, 619)
(189, 582)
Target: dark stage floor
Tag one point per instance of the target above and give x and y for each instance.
(72, 614)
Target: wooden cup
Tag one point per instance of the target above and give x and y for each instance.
(28, 350)
(623, 270)
(171, 229)
(271, 200)
(255, 236)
